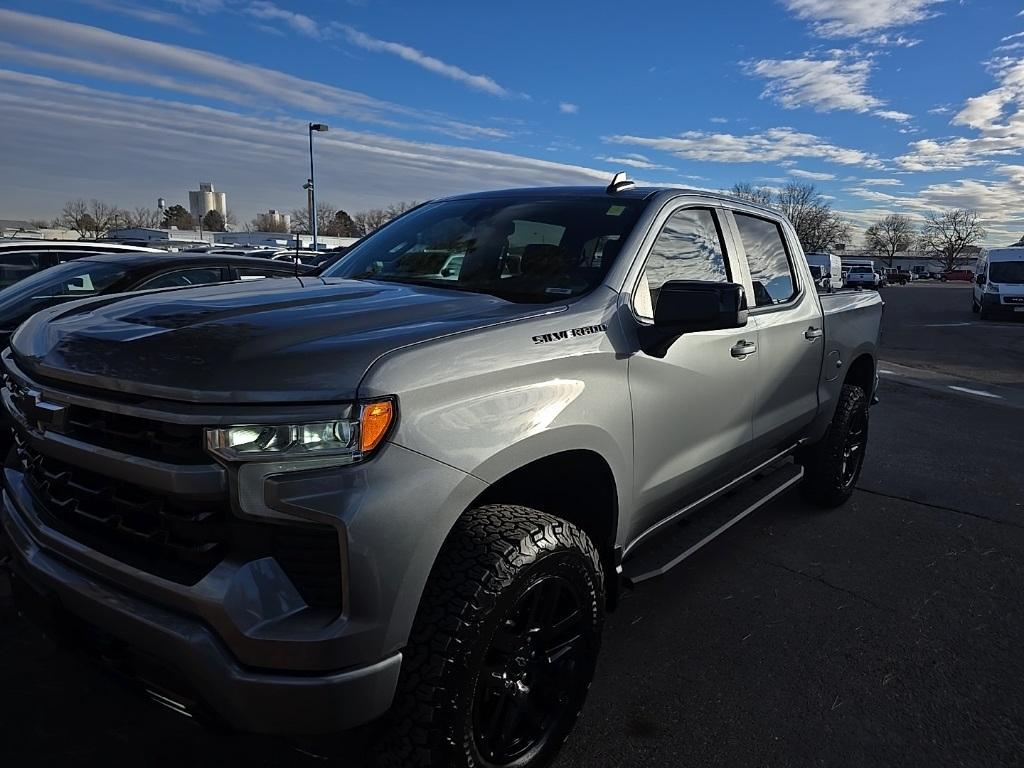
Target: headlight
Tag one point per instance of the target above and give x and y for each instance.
(344, 437)
(992, 287)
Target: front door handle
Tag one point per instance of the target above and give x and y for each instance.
(743, 348)
(813, 333)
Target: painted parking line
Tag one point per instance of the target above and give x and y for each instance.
(979, 392)
(945, 325)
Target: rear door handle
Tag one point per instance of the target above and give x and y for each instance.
(813, 333)
(743, 348)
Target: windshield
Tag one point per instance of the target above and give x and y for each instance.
(526, 250)
(70, 280)
(815, 271)
(1006, 271)
(862, 270)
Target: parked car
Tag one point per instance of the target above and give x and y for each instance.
(308, 258)
(957, 275)
(863, 277)
(999, 284)
(317, 502)
(108, 273)
(894, 276)
(21, 258)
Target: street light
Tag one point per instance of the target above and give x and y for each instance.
(312, 191)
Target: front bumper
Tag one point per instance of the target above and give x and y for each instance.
(181, 660)
(994, 303)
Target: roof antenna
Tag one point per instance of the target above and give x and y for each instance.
(619, 181)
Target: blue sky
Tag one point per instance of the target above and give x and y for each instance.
(886, 105)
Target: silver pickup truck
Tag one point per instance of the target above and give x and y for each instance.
(404, 493)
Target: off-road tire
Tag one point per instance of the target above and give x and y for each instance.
(489, 560)
(827, 480)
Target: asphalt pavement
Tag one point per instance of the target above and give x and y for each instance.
(883, 633)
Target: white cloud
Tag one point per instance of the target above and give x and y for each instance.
(568, 108)
(633, 160)
(836, 83)
(141, 148)
(813, 175)
(477, 82)
(942, 109)
(299, 22)
(770, 146)
(859, 18)
(824, 84)
(892, 114)
(82, 49)
(996, 116)
(881, 182)
(719, 120)
(142, 13)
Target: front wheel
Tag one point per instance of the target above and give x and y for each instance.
(504, 645)
(975, 307)
(832, 465)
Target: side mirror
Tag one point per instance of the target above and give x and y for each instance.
(686, 306)
(981, 279)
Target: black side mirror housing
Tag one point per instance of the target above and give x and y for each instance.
(981, 279)
(686, 306)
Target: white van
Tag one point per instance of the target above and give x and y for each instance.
(999, 282)
(829, 272)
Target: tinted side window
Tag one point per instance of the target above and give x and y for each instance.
(183, 277)
(770, 269)
(16, 265)
(688, 247)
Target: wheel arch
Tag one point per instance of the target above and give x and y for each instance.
(577, 485)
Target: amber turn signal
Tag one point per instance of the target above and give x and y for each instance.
(374, 422)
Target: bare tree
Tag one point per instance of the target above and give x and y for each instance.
(394, 210)
(890, 235)
(370, 221)
(90, 219)
(746, 191)
(324, 217)
(817, 226)
(947, 235)
(230, 220)
(139, 218)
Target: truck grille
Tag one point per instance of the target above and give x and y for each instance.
(146, 438)
(175, 537)
(163, 535)
(158, 440)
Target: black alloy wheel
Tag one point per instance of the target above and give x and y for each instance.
(539, 660)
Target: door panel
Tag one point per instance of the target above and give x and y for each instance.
(692, 418)
(693, 409)
(790, 331)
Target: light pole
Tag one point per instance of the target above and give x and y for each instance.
(312, 189)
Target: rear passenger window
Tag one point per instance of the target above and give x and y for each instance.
(689, 247)
(770, 268)
(17, 265)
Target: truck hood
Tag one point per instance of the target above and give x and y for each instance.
(275, 340)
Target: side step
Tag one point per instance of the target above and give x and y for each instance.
(685, 538)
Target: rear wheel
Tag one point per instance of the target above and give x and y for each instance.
(504, 645)
(832, 466)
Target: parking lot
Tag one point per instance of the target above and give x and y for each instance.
(885, 632)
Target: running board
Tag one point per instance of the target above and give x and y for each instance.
(691, 534)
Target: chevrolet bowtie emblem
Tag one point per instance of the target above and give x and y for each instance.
(41, 413)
